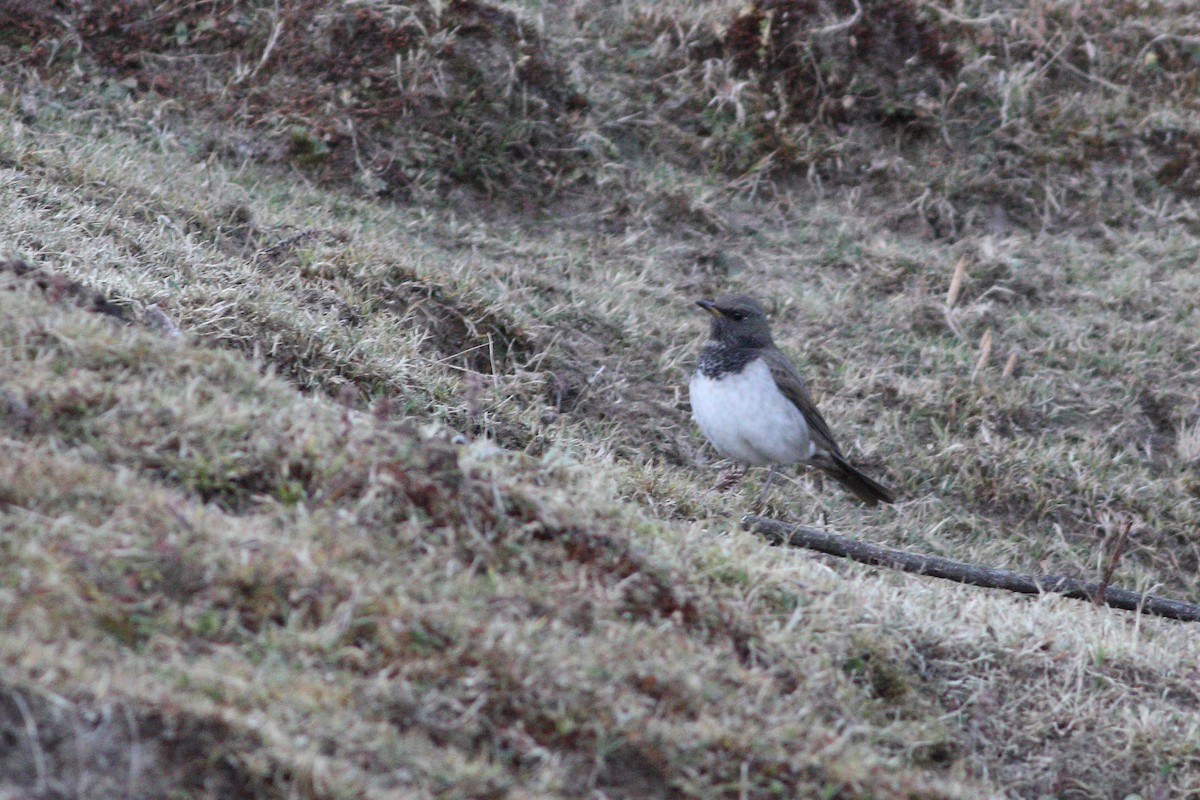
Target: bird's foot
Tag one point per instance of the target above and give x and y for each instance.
(730, 476)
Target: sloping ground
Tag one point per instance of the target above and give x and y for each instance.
(461, 621)
(430, 617)
(413, 505)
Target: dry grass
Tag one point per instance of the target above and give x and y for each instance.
(413, 505)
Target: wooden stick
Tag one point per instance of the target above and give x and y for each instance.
(962, 572)
(1113, 557)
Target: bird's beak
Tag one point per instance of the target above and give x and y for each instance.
(710, 307)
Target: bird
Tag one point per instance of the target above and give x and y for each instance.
(753, 406)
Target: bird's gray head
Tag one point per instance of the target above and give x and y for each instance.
(738, 321)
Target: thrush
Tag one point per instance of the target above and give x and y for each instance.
(754, 407)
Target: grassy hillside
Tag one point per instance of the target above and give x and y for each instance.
(345, 436)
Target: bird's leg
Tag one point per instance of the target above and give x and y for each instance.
(766, 487)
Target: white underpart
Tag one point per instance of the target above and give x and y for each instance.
(747, 419)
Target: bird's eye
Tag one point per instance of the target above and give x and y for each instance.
(736, 316)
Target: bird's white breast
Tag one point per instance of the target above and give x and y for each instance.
(748, 419)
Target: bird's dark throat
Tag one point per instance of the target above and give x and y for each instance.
(718, 359)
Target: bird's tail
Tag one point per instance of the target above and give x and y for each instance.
(864, 488)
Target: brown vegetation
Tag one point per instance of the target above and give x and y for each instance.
(385, 96)
(345, 449)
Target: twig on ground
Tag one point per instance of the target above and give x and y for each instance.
(272, 40)
(961, 572)
(1114, 556)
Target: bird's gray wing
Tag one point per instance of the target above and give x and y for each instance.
(792, 386)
